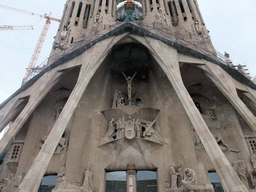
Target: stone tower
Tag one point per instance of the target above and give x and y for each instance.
(134, 98)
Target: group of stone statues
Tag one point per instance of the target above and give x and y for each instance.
(130, 129)
(182, 178)
(62, 183)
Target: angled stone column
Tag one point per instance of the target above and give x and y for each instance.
(13, 112)
(47, 82)
(169, 63)
(224, 83)
(92, 60)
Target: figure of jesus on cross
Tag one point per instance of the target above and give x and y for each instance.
(129, 84)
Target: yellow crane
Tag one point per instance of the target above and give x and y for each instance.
(41, 39)
(12, 27)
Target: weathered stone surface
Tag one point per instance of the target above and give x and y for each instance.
(133, 98)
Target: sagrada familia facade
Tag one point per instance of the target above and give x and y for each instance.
(134, 98)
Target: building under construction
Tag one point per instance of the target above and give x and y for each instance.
(134, 98)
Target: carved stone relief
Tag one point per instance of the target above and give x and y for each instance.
(131, 131)
(219, 139)
(241, 171)
(62, 145)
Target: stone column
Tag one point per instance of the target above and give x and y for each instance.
(180, 16)
(174, 15)
(44, 86)
(198, 11)
(131, 178)
(143, 8)
(154, 5)
(167, 58)
(194, 10)
(96, 7)
(13, 112)
(110, 7)
(114, 9)
(147, 6)
(187, 10)
(103, 7)
(92, 60)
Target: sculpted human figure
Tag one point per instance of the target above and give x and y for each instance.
(118, 100)
(180, 175)
(222, 143)
(174, 177)
(111, 129)
(138, 128)
(253, 160)
(241, 171)
(120, 128)
(87, 185)
(129, 84)
(197, 140)
(189, 178)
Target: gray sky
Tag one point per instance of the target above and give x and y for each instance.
(231, 24)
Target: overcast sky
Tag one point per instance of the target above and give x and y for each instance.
(231, 24)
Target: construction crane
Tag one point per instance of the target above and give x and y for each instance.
(12, 27)
(41, 39)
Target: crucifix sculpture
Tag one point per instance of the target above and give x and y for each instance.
(129, 84)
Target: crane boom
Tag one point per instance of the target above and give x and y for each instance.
(40, 42)
(29, 13)
(12, 27)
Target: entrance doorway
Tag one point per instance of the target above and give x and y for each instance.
(146, 181)
(116, 181)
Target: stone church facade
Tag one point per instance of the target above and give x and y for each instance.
(134, 98)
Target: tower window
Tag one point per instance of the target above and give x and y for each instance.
(86, 15)
(72, 40)
(79, 9)
(181, 6)
(170, 8)
(189, 6)
(175, 8)
(72, 8)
